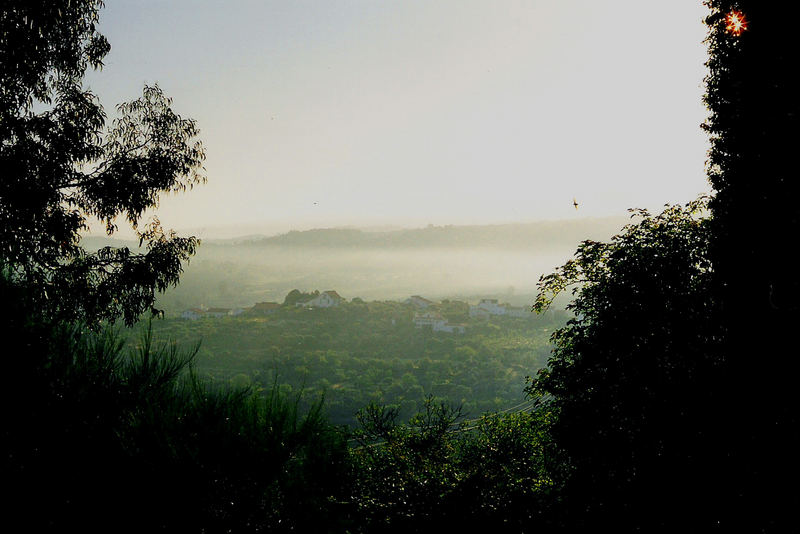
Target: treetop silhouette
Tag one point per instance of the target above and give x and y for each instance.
(62, 165)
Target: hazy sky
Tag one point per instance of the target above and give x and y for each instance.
(326, 112)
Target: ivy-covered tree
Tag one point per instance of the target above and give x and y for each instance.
(61, 166)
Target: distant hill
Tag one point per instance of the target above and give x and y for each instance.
(538, 235)
(542, 236)
(465, 262)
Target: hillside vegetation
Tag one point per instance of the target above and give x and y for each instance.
(364, 352)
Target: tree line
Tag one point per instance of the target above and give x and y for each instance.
(362, 352)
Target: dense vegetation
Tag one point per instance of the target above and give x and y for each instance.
(130, 441)
(753, 127)
(62, 165)
(499, 473)
(132, 438)
(362, 352)
(628, 384)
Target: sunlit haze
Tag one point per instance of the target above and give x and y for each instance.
(322, 114)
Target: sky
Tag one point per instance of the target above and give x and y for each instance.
(383, 113)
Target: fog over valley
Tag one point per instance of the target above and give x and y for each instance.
(464, 262)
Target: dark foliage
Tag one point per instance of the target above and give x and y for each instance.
(60, 167)
(295, 295)
(440, 473)
(752, 95)
(672, 390)
(97, 439)
(357, 353)
(628, 382)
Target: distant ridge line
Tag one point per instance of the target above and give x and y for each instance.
(547, 234)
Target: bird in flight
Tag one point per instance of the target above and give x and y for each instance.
(575, 203)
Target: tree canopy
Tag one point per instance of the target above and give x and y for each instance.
(753, 124)
(627, 381)
(63, 166)
(671, 390)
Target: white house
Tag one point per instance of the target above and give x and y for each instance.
(474, 311)
(437, 323)
(326, 299)
(487, 307)
(444, 326)
(203, 312)
(193, 314)
(427, 319)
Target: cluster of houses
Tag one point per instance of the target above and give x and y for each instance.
(487, 307)
(215, 313)
(424, 317)
(437, 323)
(432, 319)
(483, 309)
(326, 299)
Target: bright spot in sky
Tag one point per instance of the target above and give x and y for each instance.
(735, 22)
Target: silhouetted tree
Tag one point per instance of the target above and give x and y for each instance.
(752, 95)
(672, 390)
(60, 167)
(628, 381)
(100, 437)
(95, 437)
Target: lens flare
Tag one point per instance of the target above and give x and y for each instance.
(735, 23)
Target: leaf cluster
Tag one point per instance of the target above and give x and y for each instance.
(63, 168)
(441, 472)
(628, 380)
(97, 435)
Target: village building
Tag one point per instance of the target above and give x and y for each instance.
(444, 326)
(437, 323)
(487, 307)
(203, 312)
(192, 314)
(326, 299)
(427, 319)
